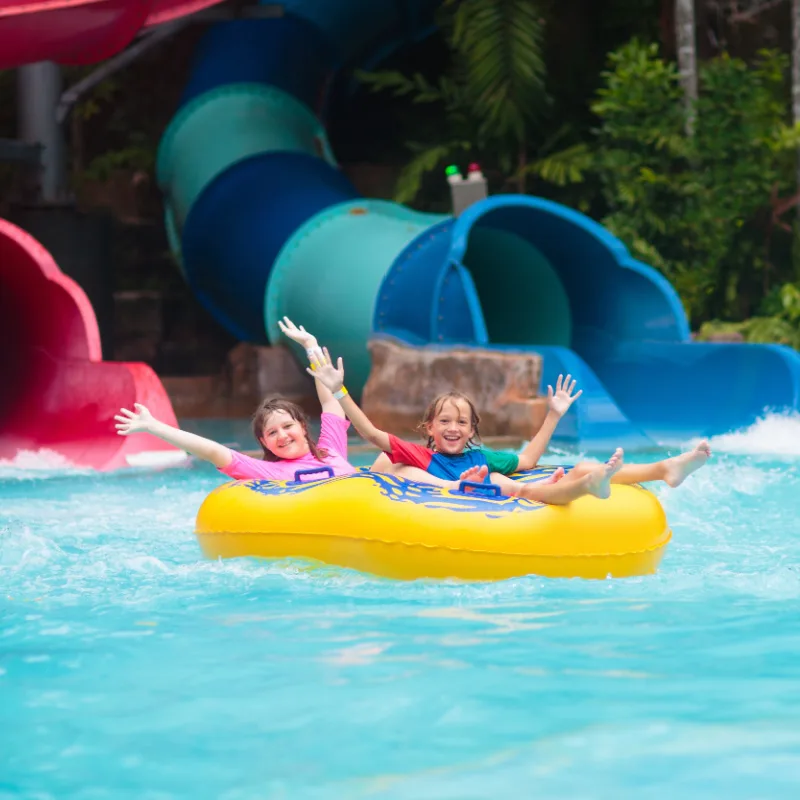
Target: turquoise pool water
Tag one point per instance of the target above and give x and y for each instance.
(132, 668)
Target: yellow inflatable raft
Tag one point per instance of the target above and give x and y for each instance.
(406, 530)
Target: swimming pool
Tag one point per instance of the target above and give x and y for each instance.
(132, 668)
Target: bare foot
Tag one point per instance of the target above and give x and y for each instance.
(554, 478)
(598, 481)
(679, 468)
(475, 474)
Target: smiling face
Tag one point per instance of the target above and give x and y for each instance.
(284, 436)
(451, 427)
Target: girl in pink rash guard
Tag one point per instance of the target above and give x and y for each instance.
(280, 427)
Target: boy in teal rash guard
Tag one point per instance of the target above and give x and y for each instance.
(446, 453)
(449, 419)
(448, 467)
(451, 467)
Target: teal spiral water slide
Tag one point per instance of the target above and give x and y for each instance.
(265, 224)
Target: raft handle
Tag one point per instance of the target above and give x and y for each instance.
(312, 471)
(479, 488)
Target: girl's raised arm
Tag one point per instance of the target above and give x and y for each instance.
(333, 378)
(330, 405)
(142, 421)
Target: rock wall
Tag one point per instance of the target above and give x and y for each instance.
(503, 386)
(250, 373)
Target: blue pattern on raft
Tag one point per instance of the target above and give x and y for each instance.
(406, 491)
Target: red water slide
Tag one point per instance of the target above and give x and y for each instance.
(56, 392)
(80, 31)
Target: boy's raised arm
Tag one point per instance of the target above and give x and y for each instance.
(333, 377)
(559, 403)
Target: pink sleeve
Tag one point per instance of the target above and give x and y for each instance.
(333, 434)
(243, 468)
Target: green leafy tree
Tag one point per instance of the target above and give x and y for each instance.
(698, 207)
(782, 326)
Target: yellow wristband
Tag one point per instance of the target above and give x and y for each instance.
(341, 393)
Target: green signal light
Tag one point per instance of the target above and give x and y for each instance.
(451, 170)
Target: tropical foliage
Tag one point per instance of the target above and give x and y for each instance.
(490, 99)
(704, 208)
(782, 326)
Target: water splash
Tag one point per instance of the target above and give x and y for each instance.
(772, 435)
(38, 461)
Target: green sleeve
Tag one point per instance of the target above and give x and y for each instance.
(501, 461)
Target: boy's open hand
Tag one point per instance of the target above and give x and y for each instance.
(301, 336)
(563, 398)
(138, 421)
(323, 370)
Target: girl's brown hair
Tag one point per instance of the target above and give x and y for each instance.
(270, 406)
(436, 406)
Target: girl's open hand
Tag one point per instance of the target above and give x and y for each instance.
(301, 336)
(563, 398)
(323, 370)
(138, 421)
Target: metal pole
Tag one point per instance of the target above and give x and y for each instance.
(39, 87)
(108, 68)
(796, 91)
(687, 57)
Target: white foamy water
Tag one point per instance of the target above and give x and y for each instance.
(43, 460)
(772, 435)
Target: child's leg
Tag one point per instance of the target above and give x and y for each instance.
(384, 465)
(416, 474)
(505, 482)
(679, 468)
(596, 481)
(673, 471)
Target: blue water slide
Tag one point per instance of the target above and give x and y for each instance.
(549, 279)
(265, 224)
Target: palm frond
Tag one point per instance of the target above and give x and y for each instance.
(565, 167)
(501, 44)
(400, 85)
